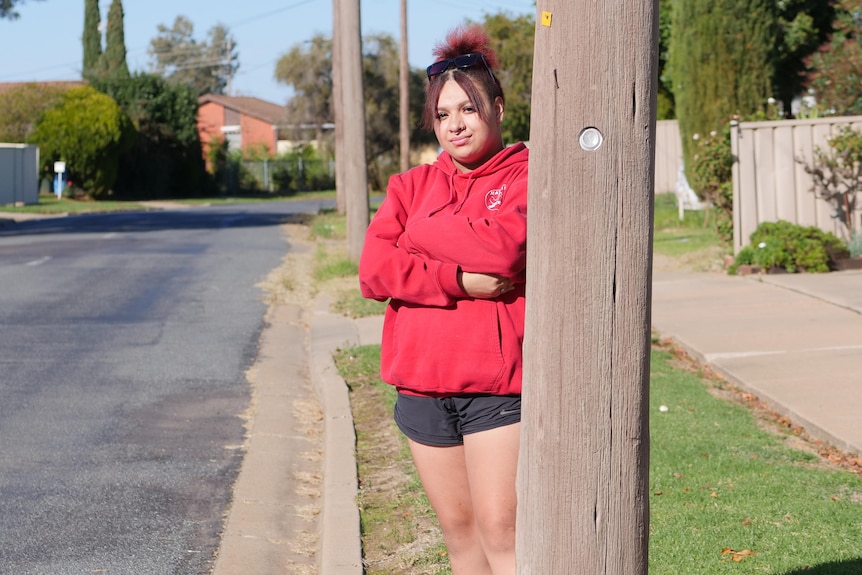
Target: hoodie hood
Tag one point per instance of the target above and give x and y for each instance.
(505, 158)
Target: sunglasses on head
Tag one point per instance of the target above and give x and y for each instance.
(458, 62)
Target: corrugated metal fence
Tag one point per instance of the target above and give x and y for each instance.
(769, 178)
(19, 174)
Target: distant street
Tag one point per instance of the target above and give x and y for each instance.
(124, 341)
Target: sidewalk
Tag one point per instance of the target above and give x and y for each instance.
(262, 522)
(793, 340)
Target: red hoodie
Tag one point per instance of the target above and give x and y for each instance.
(437, 340)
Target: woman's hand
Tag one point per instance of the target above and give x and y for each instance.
(484, 286)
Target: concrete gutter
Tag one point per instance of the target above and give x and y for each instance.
(340, 547)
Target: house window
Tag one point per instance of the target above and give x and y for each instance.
(233, 136)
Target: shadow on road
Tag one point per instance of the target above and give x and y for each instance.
(214, 217)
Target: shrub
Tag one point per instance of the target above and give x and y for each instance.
(837, 175)
(790, 247)
(88, 131)
(302, 169)
(712, 170)
(721, 63)
(165, 159)
(229, 169)
(836, 67)
(21, 107)
(855, 245)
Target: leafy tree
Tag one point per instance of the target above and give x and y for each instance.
(165, 158)
(92, 39)
(837, 66)
(206, 66)
(721, 63)
(307, 68)
(7, 9)
(836, 176)
(380, 62)
(21, 108)
(513, 41)
(115, 43)
(665, 103)
(88, 131)
(803, 26)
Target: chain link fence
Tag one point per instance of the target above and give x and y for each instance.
(279, 175)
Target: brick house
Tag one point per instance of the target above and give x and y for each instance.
(245, 122)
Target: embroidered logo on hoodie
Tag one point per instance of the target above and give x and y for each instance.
(494, 198)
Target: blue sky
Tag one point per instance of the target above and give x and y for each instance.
(45, 42)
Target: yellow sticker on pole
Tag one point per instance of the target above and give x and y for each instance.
(546, 19)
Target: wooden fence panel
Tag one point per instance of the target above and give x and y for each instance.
(806, 201)
(769, 178)
(668, 156)
(764, 174)
(745, 216)
(784, 169)
(823, 218)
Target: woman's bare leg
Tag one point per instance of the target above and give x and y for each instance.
(443, 472)
(492, 463)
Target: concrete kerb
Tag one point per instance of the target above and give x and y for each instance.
(8, 218)
(837, 288)
(760, 334)
(813, 429)
(340, 548)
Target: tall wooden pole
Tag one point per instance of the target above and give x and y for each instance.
(353, 118)
(404, 93)
(583, 468)
(338, 108)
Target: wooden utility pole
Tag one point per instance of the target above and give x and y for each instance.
(404, 93)
(354, 168)
(338, 108)
(583, 468)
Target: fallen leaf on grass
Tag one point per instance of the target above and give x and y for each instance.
(735, 555)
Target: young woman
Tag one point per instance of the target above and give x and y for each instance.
(447, 248)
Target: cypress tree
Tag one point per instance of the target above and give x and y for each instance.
(92, 39)
(722, 55)
(115, 43)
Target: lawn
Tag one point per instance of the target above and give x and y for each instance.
(731, 490)
(675, 237)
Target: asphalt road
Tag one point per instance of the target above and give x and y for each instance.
(124, 341)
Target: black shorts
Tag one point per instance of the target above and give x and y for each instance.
(444, 421)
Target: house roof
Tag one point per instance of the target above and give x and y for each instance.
(6, 86)
(250, 106)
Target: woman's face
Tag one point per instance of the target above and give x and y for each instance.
(468, 139)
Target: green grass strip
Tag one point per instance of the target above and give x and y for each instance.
(726, 495)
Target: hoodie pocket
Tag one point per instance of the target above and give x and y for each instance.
(447, 350)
